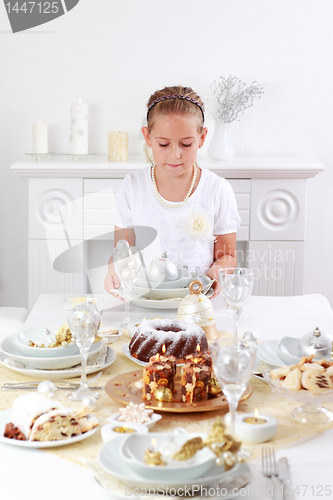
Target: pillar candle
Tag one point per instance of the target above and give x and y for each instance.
(79, 128)
(39, 138)
(118, 146)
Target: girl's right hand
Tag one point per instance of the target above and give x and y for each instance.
(112, 283)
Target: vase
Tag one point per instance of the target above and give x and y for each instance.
(221, 146)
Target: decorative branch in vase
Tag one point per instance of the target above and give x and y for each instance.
(231, 97)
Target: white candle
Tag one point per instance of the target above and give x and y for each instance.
(79, 128)
(252, 427)
(118, 146)
(39, 138)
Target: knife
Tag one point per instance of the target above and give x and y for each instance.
(284, 476)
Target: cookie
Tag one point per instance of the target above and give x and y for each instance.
(293, 380)
(305, 377)
(279, 372)
(320, 382)
(329, 371)
(312, 366)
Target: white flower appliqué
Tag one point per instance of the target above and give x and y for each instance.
(198, 226)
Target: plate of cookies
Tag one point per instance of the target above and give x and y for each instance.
(310, 381)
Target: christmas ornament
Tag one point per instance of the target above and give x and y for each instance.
(197, 308)
(47, 388)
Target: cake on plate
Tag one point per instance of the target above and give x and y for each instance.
(35, 417)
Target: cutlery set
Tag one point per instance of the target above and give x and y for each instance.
(59, 385)
(280, 470)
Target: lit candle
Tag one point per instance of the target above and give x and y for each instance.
(118, 146)
(79, 128)
(39, 138)
(252, 428)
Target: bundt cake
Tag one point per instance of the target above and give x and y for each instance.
(180, 339)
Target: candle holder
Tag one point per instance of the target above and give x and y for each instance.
(253, 428)
(40, 156)
(75, 157)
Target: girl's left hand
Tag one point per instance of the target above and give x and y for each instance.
(213, 274)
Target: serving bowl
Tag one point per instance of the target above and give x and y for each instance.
(38, 335)
(311, 411)
(135, 445)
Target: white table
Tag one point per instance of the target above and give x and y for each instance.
(38, 475)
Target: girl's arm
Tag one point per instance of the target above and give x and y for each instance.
(111, 282)
(224, 256)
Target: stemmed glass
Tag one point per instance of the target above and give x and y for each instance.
(84, 317)
(127, 264)
(233, 366)
(236, 287)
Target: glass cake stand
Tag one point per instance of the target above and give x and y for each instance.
(311, 411)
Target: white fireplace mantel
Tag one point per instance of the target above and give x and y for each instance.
(271, 198)
(240, 167)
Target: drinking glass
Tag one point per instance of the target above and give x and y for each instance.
(233, 366)
(236, 287)
(84, 317)
(127, 264)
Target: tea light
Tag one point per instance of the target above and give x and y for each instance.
(39, 138)
(79, 128)
(252, 427)
(118, 146)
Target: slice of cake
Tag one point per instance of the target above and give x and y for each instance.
(35, 417)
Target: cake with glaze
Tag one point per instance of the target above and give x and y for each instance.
(179, 337)
(35, 417)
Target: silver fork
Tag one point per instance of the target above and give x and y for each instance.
(268, 464)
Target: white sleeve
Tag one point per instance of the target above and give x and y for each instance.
(123, 200)
(226, 217)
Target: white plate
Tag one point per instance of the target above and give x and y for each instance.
(111, 462)
(163, 304)
(5, 419)
(267, 354)
(60, 374)
(8, 347)
(125, 350)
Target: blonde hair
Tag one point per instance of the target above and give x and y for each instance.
(184, 104)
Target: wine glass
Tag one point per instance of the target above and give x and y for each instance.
(84, 317)
(233, 366)
(236, 287)
(127, 264)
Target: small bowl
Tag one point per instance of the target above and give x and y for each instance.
(155, 417)
(286, 349)
(37, 335)
(109, 433)
(184, 277)
(133, 448)
(106, 333)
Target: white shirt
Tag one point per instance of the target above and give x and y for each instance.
(185, 233)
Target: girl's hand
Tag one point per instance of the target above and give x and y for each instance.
(112, 283)
(213, 274)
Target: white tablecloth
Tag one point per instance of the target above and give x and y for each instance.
(38, 475)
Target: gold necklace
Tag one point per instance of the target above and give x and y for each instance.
(159, 197)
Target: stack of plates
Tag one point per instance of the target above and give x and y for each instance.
(112, 462)
(52, 363)
(167, 295)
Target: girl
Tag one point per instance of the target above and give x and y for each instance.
(193, 210)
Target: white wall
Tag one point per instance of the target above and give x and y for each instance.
(114, 53)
